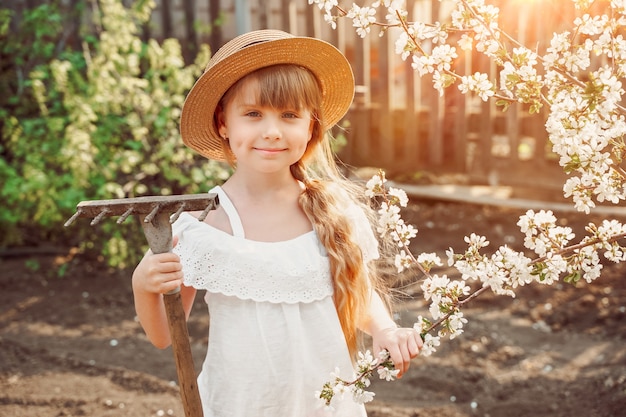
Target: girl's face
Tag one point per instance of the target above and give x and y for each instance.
(261, 137)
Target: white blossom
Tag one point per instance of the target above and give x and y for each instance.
(455, 324)
(327, 6)
(591, 25)
(387, 374)
(374, 185)
(477, 241)
(362, 19)
(394, 7)
(555, 266)
(404, 45)
(478, 83)
(403, 261)
(428, 260)
(366, 360)
(398, 196)
(430, 344)
(361, 396)
(466, 42)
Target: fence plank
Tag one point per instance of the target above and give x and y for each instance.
(215, 37)
(435, 140)
(166, 18)
(360, 139)
(384, 96)
(190, 45)
(460, 130)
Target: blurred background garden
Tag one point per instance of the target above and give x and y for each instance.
(90, 97)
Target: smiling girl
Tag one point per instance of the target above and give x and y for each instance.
(286, 259)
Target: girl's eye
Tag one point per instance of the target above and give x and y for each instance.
(290, 115)
(253, 114)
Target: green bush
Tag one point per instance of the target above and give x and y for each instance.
(96, 123)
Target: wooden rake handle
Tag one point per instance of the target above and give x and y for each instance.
(158, 232)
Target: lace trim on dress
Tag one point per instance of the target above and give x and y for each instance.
(291, 272)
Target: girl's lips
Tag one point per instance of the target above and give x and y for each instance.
(272, 150)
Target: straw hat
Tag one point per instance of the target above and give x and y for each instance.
(249, 52)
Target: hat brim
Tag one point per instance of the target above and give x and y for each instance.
(326, 62)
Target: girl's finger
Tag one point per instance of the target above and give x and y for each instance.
(169, 286)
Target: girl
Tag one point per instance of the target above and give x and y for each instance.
(285, 259)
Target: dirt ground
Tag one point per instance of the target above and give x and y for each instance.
(70, 346)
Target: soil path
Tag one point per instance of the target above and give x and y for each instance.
(69, 346)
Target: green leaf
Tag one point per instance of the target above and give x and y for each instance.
(573, 277)
(505, 104)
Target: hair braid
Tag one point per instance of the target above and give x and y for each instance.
(349, 274)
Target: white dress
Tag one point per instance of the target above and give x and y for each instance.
(274, 335)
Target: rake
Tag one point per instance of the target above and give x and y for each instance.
(156, 219)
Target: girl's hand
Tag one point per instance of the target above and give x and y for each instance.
(158, 273)
(402, 343)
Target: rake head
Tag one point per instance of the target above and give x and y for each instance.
(150, 207)
(155, 212)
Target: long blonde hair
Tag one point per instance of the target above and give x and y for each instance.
(326, 195)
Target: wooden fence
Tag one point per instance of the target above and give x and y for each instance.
(398, 120)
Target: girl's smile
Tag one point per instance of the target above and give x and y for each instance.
(271, 150)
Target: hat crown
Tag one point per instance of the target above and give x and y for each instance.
(244, 41)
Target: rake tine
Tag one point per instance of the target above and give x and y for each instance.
(152, 214)
(175, 216)
(73, 218)
(100, 216)
(205, 212)
(125, 215)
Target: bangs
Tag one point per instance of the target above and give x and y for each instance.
(283, 87)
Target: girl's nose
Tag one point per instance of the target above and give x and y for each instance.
(272, 129)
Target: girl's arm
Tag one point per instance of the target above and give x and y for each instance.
(154, 276)
(403, 344)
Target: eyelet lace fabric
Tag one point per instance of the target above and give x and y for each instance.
(292, 271)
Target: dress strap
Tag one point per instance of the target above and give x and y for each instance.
(231, 211)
